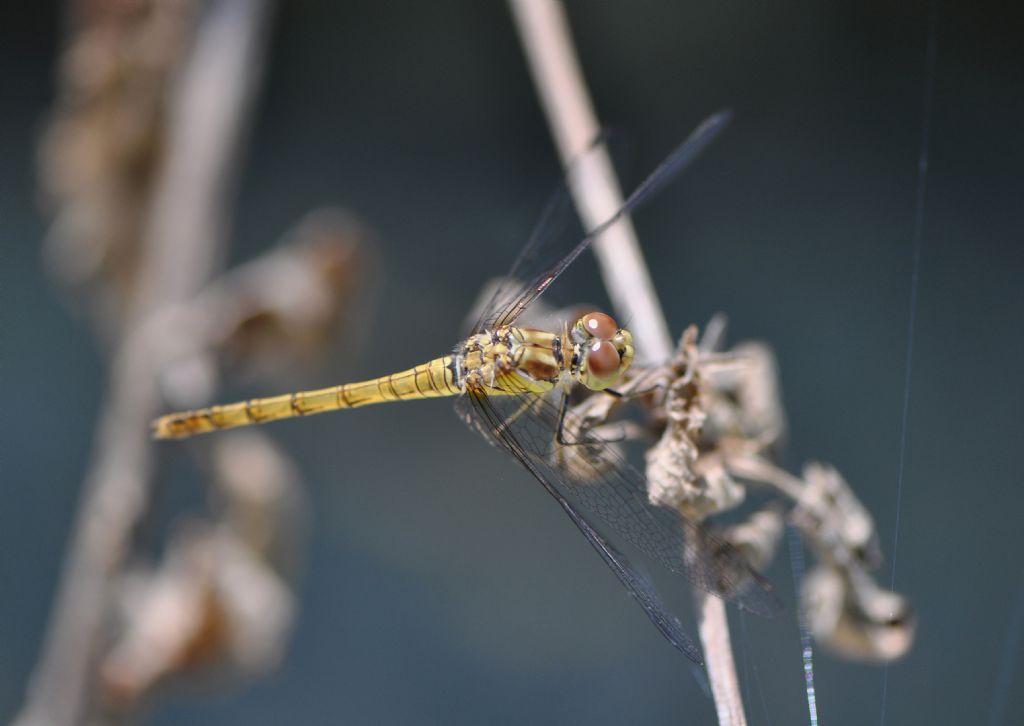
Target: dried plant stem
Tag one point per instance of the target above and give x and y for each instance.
(180, 253)
(545, 35)
(544, 32)
(714, 636)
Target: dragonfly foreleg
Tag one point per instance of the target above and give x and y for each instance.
(584, 426)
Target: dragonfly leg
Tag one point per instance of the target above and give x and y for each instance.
(586, 438)
(563, 407)
(640, 393)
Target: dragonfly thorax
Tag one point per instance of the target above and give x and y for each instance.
(512, 359)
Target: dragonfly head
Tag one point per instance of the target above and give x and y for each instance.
(603, 349)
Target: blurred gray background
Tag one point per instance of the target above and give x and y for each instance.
(435, 594)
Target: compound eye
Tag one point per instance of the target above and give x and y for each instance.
(603, 360)
(599, 325)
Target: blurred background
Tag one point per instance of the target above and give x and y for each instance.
(438, 583)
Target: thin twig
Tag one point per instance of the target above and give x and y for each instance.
(725, 685)
(544, 33)
(179, 255)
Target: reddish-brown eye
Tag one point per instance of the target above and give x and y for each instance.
(603, 360)
(600, 325)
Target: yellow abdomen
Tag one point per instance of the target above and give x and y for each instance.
(432, 379)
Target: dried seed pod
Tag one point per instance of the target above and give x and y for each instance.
(671, 480)
(744, 399)
(287, 306)
(220, 601)
(211, 604)
(758, 536)
(855, 617)
(838, 526)
(682, 468)
(264, 500)
(269, 316)
(102, 148)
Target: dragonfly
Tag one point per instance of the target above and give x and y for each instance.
(512, 383)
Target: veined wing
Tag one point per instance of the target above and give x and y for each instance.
(614, 494)
(552, 247)
(479, 412)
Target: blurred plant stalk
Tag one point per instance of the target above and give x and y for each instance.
(139, 165)
(165, 228)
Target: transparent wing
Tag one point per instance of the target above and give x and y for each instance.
(553, 245)
(557, 229)
(478, 410)
(615, 494)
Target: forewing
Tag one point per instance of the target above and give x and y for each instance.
(559, 238)
(614, 493)
(558, 231)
